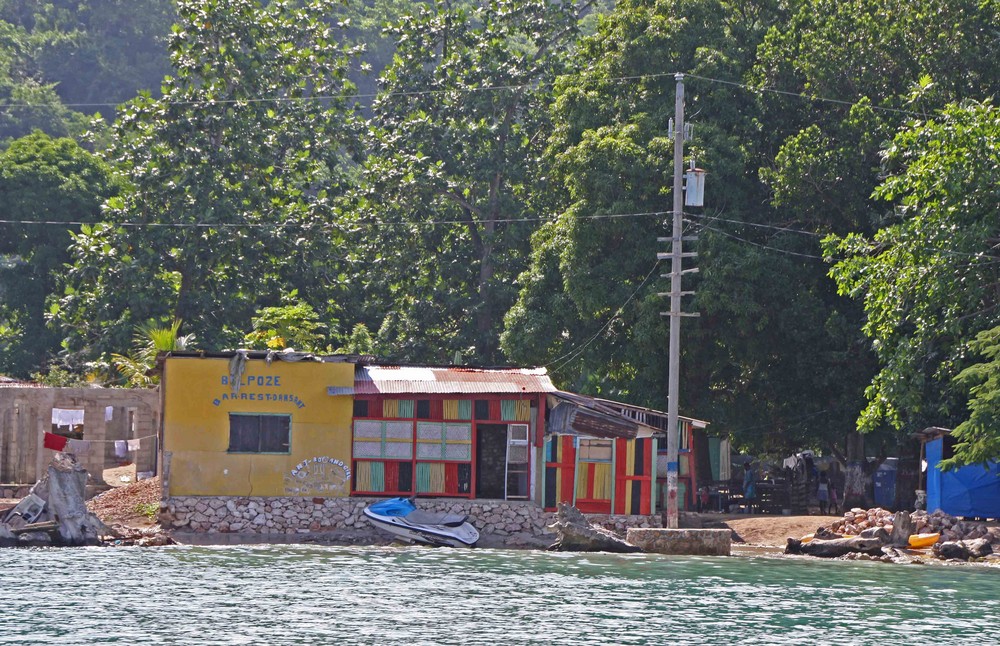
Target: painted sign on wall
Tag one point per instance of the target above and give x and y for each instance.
(319, 476)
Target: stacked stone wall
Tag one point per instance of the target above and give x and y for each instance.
(499, 522)
(14, 491)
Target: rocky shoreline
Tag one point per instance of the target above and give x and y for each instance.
(881, 535)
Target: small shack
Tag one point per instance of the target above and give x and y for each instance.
(971, 491)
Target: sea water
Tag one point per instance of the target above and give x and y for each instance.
(413, 595)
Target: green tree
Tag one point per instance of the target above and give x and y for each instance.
(292, 325)
(46, 186)
(149, 341)
(96, 51)
(451, 172)
(928, 277)
(27, 101)
(231, 176)
(978, 437)
(770, 365)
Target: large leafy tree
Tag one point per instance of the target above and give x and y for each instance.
(928, 277)
(97, 52)
(28, 101)
(452, 172)
(761, 352)
(46, 186)
(902, 60)
(231, 176)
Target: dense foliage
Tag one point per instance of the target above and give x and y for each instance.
(489, 179)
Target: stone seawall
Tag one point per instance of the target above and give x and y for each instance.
(500, 523)
(14, 491)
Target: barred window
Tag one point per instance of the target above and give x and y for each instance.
(259, 433)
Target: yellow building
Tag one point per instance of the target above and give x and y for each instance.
(242, 425)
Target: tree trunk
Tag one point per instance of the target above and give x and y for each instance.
(855, 479)
(836, 547)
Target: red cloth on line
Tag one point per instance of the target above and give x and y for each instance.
(54, 442)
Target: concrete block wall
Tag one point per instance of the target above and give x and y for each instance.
(26, 414)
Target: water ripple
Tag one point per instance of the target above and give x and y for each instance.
(416, 596)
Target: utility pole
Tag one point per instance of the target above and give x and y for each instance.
(676, 256)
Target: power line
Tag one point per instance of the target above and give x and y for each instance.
(238, 225)
(715, 218)
(470, 89)
(574, 353)
(763, 246)
(806, 97)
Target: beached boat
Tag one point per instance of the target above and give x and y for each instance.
(401, 517)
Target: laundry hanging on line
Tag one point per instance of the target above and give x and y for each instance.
(54, 442)
(133, 445)
(78, 447)
(121, 448)
(67, 416)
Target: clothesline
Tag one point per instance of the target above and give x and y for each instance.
(144, 437)
(63, 443)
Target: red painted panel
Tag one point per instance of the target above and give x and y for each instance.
(568, 473)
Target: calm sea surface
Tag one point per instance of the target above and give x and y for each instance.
(338, 595)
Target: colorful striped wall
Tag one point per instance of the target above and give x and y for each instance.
(427, 446)
(623, 485)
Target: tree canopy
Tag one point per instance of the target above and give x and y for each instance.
(496, 190)
(928, 277)
(47, 187)
(451, 175)
(230, 179)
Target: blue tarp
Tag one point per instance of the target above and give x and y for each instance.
(968, 491)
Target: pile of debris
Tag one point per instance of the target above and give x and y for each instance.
(125, 503)
(951, 528)
(883, 535)
(54, 513)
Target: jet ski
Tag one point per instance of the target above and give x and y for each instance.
(401, 517)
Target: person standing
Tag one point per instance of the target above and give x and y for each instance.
(749, 486)
(823, 492)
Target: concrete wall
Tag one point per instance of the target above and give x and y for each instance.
(512, 523)
(26, 415)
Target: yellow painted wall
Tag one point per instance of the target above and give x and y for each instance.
(197, 403)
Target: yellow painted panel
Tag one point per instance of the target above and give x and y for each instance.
(198, 400)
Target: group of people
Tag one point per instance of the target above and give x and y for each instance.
(827, 492)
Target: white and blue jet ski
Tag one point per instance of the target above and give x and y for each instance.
(401, 517)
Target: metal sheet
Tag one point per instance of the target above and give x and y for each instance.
(393, 380)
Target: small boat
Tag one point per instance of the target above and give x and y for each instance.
(401, 517)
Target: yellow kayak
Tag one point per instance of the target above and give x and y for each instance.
(918, 541)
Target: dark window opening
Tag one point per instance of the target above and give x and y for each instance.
(423, 409)
(361, 408)
(259, 433)
(482, 409)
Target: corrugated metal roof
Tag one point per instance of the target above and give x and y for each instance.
(401, 380)
(10, 382)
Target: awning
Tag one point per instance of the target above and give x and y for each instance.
(572, 414)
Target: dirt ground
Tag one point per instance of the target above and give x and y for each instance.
(768, 530)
